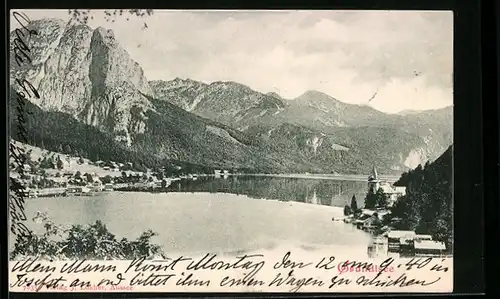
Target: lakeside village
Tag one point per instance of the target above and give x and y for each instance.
(47, 174)
(375, 218)
(51, 174)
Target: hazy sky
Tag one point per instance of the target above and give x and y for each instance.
(406, 56)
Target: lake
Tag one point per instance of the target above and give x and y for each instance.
(223, 215)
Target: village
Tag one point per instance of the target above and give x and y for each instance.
(378, 221)
(50, 174)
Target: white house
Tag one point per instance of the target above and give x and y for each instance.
(392, 192)
(429, 248)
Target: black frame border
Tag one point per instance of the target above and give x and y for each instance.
(471, 183)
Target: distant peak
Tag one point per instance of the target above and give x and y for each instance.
(230, 84)
(314, 94)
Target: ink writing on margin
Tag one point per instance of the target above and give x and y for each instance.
(22, 55)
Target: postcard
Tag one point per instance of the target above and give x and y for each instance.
(231, 151)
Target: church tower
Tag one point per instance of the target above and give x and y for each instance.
(373, 180)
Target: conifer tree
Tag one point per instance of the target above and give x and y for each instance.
(354, 203)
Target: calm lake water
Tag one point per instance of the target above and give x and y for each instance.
(222, 215)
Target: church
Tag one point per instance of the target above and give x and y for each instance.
(392, 192)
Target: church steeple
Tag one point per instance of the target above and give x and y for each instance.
(373, 181)
(374, 173)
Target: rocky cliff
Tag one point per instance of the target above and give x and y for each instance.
(86, 73)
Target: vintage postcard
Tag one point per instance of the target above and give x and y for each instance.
(231, 151)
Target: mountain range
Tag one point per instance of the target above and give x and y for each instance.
(87, 79)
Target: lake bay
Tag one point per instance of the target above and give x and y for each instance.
(222, 215)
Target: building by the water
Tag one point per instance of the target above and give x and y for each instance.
(392, 192)
(373, 181)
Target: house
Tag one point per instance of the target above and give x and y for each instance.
(108, 187)
(77, 190)
(60, 181)
(396, 220)
(401, 191)
(392, 193)
(429, 248)
(361, 220)
(96, 185)
(423, 237)
(369, 223)
(367, 212)
(394, 238)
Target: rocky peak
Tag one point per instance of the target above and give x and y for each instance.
(84, 72)
(313, 95)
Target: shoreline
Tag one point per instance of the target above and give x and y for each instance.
(156, 189)
(326, 176)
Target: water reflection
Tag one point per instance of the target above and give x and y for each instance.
(313, 191)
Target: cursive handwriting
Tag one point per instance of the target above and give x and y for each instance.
(31, 265)
(287, 263)
(22, 54)
(401, 281)
(210, 271)
(23, 280)
(81, 266)
(296, 283)
(21, 49)
(140, 265)
(208, 262)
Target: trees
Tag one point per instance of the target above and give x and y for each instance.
(83, 15)
(60, 164)
(354, 203)
(46, 163)
(106, 180)
(381, 198)
(93, 241)
(371, 199)
(163, 184)
(426, 207)
(67, 149)
(347, 210)
(89, 177)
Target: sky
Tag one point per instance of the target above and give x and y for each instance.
(404, 57)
